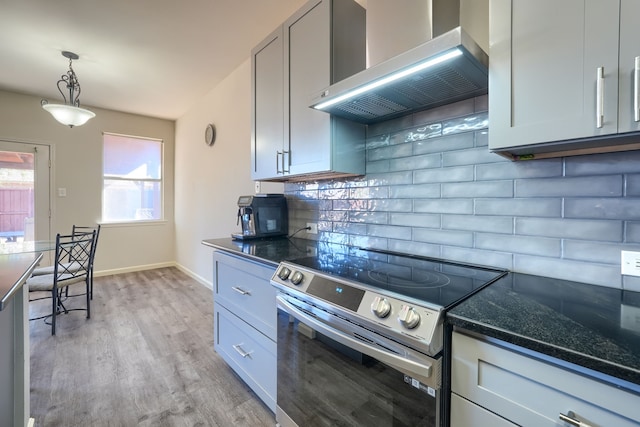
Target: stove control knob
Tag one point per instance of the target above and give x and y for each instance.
(296, 278)
(408, 317)
(380, 307)
(284, 273)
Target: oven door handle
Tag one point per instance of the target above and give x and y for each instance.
(423, 370)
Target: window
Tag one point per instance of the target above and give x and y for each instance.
(132, 179)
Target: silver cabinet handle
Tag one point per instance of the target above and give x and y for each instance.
(241, 352)
(240, 291)
(287, 163)
(278, 154)
(636, 89)
(571, 419)
(599, 97)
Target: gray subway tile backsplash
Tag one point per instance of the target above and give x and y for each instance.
(486, 223)
(608, 186)
(595, 230)
(632, 233)
(632, 184)
(530, 245)
(454, 174)
(547, 207)
(433, 188)
(587, 272)
(478, 189)
(603, 164)
(614, 208)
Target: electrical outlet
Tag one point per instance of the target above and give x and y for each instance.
(257, 184)
(630, 263)
(313, 228)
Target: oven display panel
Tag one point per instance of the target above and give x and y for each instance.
(342, 295)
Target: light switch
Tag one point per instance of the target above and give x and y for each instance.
(62, 192)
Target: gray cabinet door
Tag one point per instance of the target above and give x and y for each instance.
(544, 60)
(530, 391)
(267, 115)
(629, 56)
(308, 40)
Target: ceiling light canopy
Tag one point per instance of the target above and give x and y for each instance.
(69, 113)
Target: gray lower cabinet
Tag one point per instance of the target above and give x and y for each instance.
(245, 321)
(466, 413)
(561, 76)
(491, 382)
(323, 42)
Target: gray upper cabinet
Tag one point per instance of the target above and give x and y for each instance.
(323, 42)
(561, 75)
(267, 107)
(629, 120)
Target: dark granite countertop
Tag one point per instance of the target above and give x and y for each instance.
(593, 327)
(589, 326)
(14, 271)
(270, 251)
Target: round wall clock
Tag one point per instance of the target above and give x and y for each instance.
(210, 134)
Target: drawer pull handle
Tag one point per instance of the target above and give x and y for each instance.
(571, 419)
(241, 352)
(241, 291)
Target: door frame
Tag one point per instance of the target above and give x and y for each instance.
(43, 210)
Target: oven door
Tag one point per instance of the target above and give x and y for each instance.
(332, 372)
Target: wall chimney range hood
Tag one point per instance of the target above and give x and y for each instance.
(448, 68)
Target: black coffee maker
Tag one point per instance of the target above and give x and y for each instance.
(262, 215)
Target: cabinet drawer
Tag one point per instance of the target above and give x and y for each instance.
(249, 353)
(531, 392)
(468, 414)
(243, 287)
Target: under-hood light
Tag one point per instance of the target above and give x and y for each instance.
(391, 78)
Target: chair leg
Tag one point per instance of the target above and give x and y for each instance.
(54, 309)
(88, 298)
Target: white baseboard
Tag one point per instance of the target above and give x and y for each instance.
(134, 268)
(180, 267)
(195, 276)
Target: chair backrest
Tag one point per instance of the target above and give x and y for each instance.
(73, 255)
(79, 229)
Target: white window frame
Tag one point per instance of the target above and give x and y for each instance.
(117, 178)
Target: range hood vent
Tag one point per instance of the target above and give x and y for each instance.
(448, 68)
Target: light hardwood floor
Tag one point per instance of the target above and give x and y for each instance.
(145, 358)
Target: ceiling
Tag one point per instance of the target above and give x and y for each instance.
(151, 57)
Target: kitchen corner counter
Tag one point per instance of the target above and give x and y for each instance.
(594, 327)
(14, 271)
(270, 251)
(588, 326)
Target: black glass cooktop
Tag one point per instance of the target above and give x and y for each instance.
(425, 279)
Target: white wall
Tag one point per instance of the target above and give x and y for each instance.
(210, 179)
(77, 166)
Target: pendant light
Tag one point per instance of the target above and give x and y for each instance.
(69, 113)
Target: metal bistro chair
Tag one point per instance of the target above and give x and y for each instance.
(72, 266)
(77, 229)
(83, 229)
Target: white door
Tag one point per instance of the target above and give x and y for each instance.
(24, 191)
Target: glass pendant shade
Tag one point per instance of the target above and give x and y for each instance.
(68, 114)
